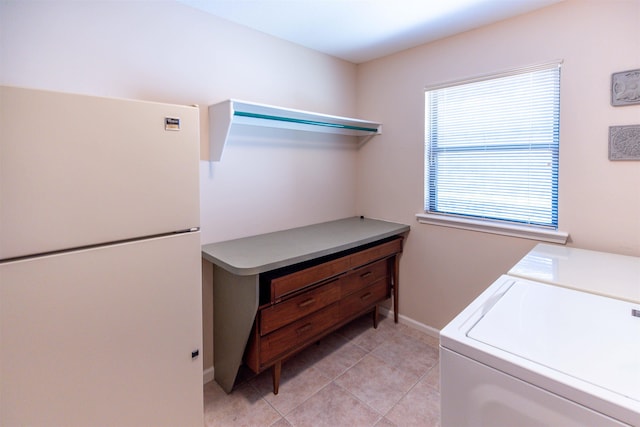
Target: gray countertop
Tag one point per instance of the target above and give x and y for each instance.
(265, 252)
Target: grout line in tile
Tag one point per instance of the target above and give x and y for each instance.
(364, 403)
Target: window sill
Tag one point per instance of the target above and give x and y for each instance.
(540, 234)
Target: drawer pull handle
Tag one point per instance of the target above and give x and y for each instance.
(305, 328)
(366, 296)
(307, 302)
(365, 275)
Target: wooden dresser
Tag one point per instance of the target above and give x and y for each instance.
(307, 302)
(276, 294)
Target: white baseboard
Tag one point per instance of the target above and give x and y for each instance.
(429, 330)
(207, 375)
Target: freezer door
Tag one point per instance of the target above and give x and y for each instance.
(78, 170)
(103, 337)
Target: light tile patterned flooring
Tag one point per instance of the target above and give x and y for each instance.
(357, 376)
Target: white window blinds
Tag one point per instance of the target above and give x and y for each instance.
(492, 148)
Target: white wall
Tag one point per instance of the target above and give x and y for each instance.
(165, 51)
(443, 269)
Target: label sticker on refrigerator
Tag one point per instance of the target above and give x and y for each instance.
(171, 123)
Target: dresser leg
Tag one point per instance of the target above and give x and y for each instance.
(396, 271)
(375, 316)
(275, 372)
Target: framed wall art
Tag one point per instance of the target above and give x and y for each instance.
(625, 88)
(624, 142)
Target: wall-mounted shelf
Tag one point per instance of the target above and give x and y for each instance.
(224, 115)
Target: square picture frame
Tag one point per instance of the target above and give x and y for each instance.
(625, 88)
(624, 142)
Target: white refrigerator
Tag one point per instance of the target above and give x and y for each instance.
(100, 267)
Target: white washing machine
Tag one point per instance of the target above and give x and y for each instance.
(527, 353)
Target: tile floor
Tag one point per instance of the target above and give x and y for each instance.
(357, 376)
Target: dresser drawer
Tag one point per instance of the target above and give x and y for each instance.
(293, 282)
(381, 251)
(363, 277)
(298, 333)
(283, 313)
(281, 286)
(364, 299)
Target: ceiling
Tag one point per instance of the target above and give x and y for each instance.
(362, 30)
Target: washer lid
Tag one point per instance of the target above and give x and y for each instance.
(590, 337)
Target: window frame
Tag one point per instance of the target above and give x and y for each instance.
(488, 225)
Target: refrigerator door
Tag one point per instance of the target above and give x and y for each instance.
(103, 336)
(78, 170)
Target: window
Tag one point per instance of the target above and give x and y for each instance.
(491, 153)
